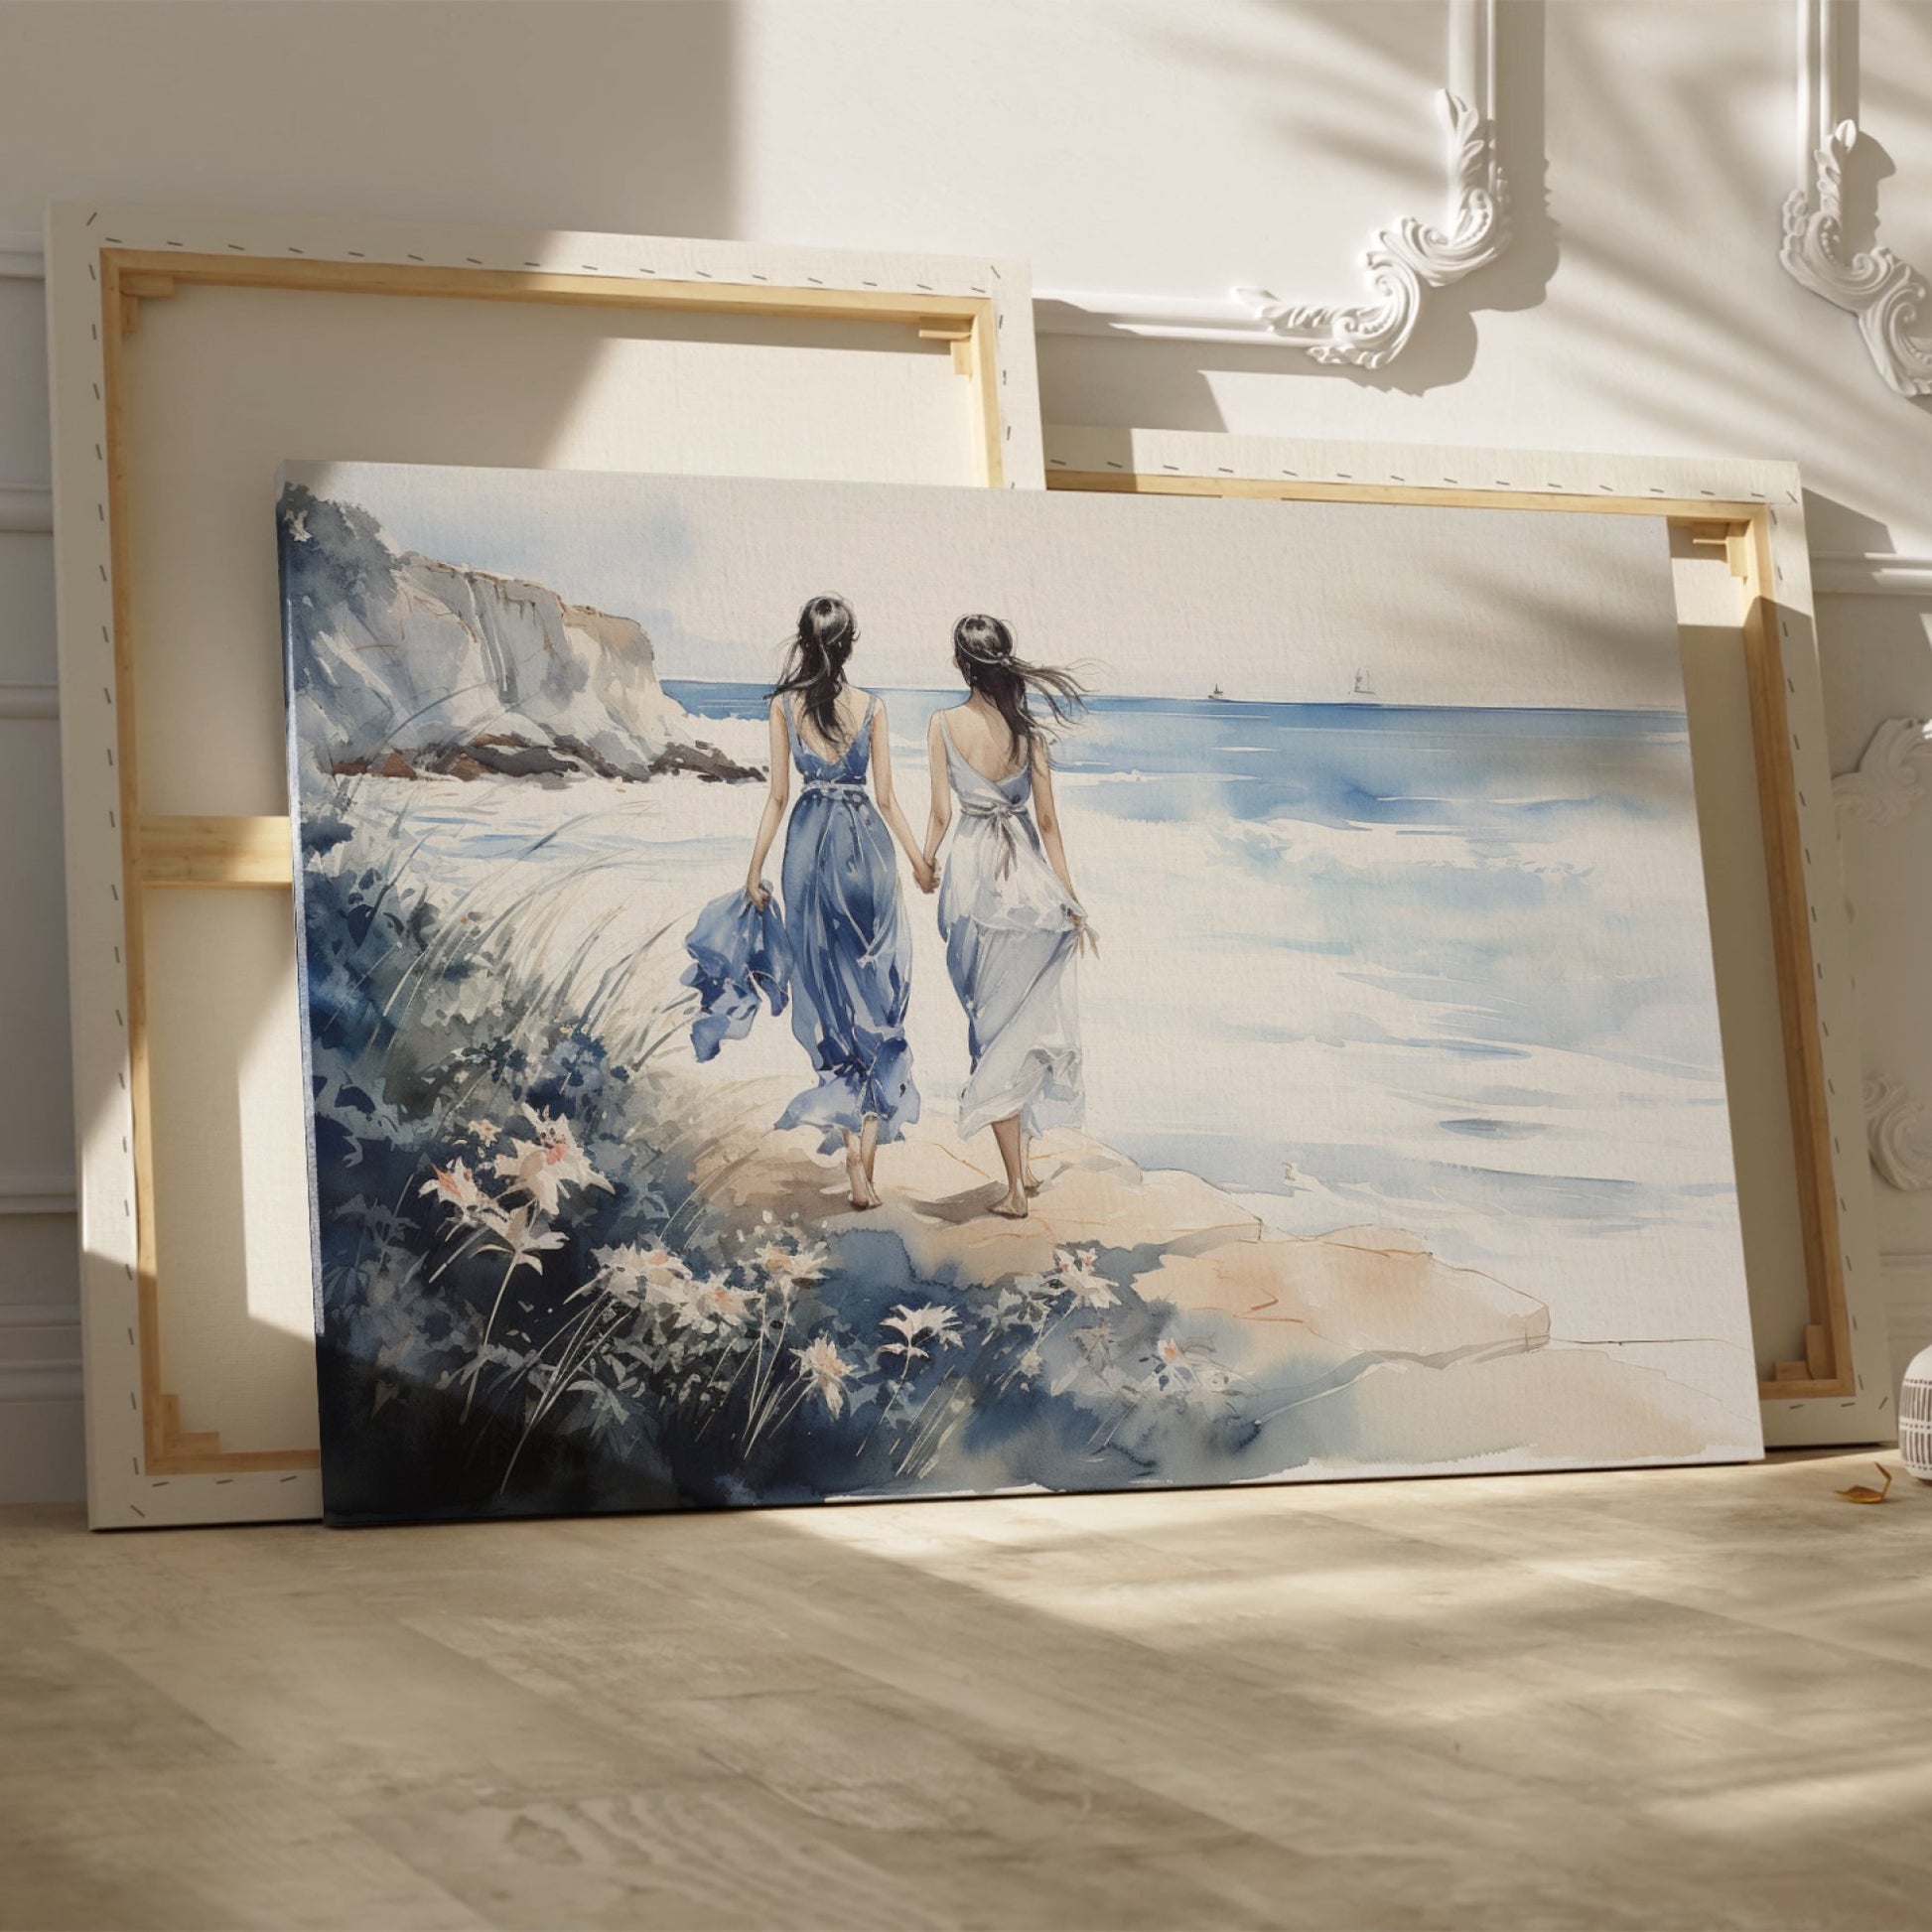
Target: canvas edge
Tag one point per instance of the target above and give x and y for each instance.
(1867, 1415)
(291, 750)
(120, 1493)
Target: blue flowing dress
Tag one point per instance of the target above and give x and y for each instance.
(841, 948)
(1011, 942)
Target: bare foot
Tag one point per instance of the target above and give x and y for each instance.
(1031, 1181)
(858, 1188)
(1011, 1207)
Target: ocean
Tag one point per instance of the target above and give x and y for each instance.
(1439, 970)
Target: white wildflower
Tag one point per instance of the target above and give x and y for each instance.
(916, 1325)
(821, 1365)
(791, 1268)
(1075, 1271)
(726, 1307)
(647, 1278)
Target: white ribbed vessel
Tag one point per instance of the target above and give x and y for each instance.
(1915, 1416)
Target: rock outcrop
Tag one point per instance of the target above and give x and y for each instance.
(407, 667)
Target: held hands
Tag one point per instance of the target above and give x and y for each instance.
(925, 876)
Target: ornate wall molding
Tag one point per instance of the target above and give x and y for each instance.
(1406, 262)
(21, 257)
(37, 1193)
(30, 701)
(1886, 783)
(1898, 1131)
(26, 509)
(1888, 295)
(40, 1352)
(1871, 573)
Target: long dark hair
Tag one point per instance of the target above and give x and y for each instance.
(982, 649)
(814, 663)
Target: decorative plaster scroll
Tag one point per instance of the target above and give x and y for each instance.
(1889, 296)
(1898, 1131)
(1409, 259)
(1886, 784)
(1405, 262)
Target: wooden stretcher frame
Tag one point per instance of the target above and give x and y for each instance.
(1753, 514)
(146, 1467)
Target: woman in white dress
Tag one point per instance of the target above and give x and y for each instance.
(1012, 923)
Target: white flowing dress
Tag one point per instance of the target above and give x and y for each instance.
(1011, 947)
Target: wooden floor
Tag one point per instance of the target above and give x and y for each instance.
(1683, 1699)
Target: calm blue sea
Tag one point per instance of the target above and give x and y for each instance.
(1488, 773)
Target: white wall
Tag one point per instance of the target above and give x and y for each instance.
(1176, 146)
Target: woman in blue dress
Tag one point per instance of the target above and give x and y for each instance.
(850, 949)
(1012, 923)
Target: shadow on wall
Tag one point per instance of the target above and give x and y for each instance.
(620, 115)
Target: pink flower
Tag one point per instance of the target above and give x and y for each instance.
(721, 1302)
(546, 1166)
(456, 1187)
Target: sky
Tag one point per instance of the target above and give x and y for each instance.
(1156, 596)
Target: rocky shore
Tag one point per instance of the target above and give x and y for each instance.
(505, 755)
(1441, 1366)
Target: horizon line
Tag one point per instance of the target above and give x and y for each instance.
(1176, 697)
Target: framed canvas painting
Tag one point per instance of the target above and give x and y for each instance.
(192, 350)
(1157, 997)
(1775, 890)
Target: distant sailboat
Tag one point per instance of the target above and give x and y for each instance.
(1218, 696)
(1363, 690)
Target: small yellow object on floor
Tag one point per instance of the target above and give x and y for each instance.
(1862, 1492)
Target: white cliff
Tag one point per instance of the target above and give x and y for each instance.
(404, 666)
